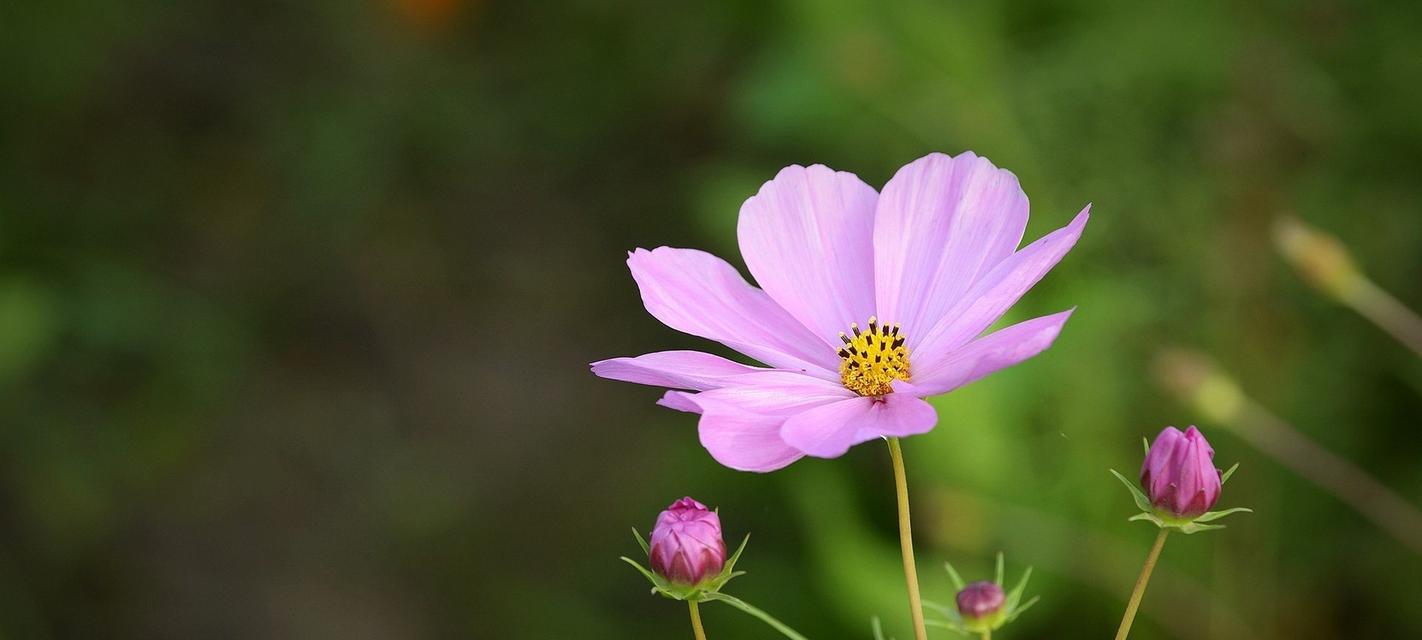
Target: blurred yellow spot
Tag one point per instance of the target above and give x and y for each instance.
(428, 15)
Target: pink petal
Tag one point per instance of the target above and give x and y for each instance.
(740, 424)
(700, 294)
(680, 401)
(828, 431)
(1156, 471)
(746, 441)
(993, 352)
(942, 223)
(996, 292)
(674, 369)
(807, 237)
(778, 393)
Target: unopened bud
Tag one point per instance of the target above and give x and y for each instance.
(686, 545)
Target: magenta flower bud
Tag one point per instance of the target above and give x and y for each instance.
(686, 546)
(980, 600)
(1179, 473)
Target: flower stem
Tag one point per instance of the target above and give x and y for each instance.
(920, 632)
(763, 616)
(696, 620)
(1388, 313)
(987, 634)
(1139, 591)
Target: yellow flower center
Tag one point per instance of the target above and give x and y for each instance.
(870, 361)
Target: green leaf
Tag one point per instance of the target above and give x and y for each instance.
(953, 574)
(763, 616)
(998, 581)
(1142, 501)
(1209, 516)
(1225, 477)
(641, 541)
(1145, 444)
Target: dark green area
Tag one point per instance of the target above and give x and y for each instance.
(296, 301)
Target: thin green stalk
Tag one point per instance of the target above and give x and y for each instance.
(987, 634)
(1387, 312)
(1139, 591)
(763, 616)
(920, 631)
(696, 620)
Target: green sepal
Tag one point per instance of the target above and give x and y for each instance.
(1018, 611)
(641, 541)
(1188, 525)
(998, 580)
(1142, 500)
(877, 628)
(699, 592)
(731, 561)
(955, 627)
(1224, 477)
(951, 618)
(1015, 595)
(953, 575)
(656, 580)
(945, 611)
(1216, 515)
(1192, 527)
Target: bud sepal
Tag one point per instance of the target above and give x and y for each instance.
(700, 592)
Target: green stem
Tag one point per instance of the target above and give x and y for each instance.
(1387, 312)
(920, 632)
(696, 620)
(763, 616)
(1139, 591)
(987, 634)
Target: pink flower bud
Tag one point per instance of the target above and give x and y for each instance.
(1179, 473)
(980, 600)
(686, 545)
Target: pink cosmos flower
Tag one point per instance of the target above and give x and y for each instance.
(868, 303)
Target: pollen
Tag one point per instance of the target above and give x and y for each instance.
(870, 361)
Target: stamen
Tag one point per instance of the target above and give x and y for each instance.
(873, 360)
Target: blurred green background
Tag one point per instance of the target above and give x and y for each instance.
(296, 301)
